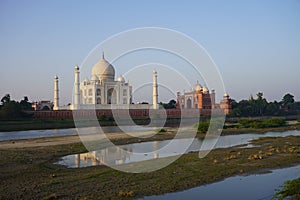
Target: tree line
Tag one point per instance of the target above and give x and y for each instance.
(11, 109)
(253, 107)
(259, 106)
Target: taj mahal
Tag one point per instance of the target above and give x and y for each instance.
(102, 91)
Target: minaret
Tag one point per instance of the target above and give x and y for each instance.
(76, 89)
(56, 94)
(155, 93)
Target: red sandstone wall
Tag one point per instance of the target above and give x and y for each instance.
(122, 113)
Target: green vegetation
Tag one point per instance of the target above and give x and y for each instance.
(162, 130)
(202, 126)
(11, 109)
(105, 118)
(170, 105)
(261, 107)
(267, 123)
(290, 189)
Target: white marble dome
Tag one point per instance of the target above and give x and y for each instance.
(86, 80)
(121, 79)
(104, 70)
(94, 78)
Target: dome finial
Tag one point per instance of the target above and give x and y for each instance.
(103, 55)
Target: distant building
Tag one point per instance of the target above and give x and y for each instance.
(201, 98)
(42, 105)
(225, 104)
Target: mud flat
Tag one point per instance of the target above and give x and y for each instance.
(28, 172)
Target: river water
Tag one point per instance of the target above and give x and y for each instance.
(252, 187)
(124, 154)
(16, 135)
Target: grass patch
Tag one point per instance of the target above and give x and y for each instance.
(162, 130)
(202, 127)
(267, 123)
(290, 188)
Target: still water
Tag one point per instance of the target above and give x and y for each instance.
(136, 152)
(16, 135)
(258, 186)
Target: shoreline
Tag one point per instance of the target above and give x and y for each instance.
(122, 138)
(39, 124)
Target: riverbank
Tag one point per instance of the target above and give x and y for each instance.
(29, 173)
(120, 138)
(43, 124)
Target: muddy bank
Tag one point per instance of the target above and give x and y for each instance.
(29, 173)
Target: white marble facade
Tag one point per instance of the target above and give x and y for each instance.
(102, 88)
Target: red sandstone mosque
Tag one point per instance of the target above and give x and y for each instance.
(201, 98)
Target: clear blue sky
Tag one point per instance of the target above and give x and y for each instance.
(256, 44)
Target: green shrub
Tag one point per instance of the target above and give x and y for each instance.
(162, 130)
(290, 189)
(213, 124)
(267, 123)
(274, 122)
(102, 118)
(202, 127)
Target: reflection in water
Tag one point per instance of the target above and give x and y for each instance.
(109, 156)
(112, 156)
(93, 158)
(117, 155)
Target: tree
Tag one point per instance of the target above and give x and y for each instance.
(170, 105)
(287, 99)
(25, 105)
(5, 99)
(11, 110)
(260, 104)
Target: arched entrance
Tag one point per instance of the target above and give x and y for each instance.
(111, 96)
(98, 100)
(189, 103)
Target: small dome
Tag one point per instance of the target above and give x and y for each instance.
(205, 90)
(55, 77)
(198, 87)
(104, 70)
(226, 95)
(121, 79)
(76, 67)
(86, 80)
(95, 78)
